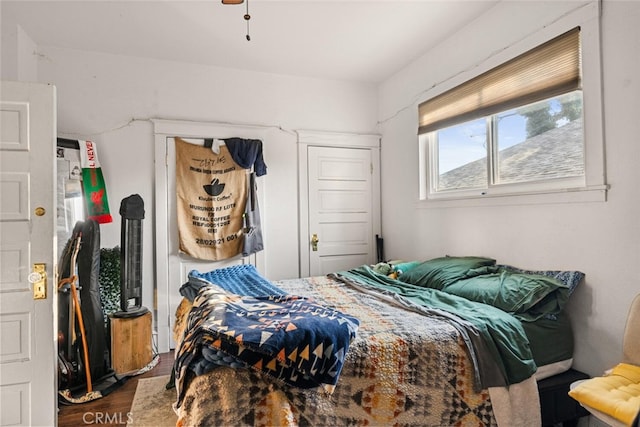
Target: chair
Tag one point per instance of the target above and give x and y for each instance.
(614, 398)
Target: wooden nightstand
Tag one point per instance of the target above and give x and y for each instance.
(555, 404)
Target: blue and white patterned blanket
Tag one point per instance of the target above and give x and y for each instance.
(241, 279)
(288, 337)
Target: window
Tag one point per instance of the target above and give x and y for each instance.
(537, 142)
(515, 129)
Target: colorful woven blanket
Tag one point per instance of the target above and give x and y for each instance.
(404, 368)
(288, 337)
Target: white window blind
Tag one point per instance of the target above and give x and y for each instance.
(548, 70)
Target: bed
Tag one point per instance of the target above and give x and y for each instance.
(432, 343)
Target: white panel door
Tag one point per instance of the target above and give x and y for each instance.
(172, 265)
(180, 264)
(28, 386)
(340, 208)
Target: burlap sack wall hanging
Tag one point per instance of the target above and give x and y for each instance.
(211, 194)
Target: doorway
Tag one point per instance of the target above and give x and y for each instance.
(173, 266)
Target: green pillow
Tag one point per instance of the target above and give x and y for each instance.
(438, 272)
(530, 296)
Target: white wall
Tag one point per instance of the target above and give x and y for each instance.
(602, 239)
(19, 54)
(110, 100)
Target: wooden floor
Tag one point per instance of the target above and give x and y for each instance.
(112, 409)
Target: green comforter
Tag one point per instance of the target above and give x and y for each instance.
(502, 350)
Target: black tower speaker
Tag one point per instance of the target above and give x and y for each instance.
(132, 213)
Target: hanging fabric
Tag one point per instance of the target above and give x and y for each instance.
(211, 196)
(252, 228)
(93, 186)
(247, 153)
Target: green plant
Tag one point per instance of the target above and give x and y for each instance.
(109, 278)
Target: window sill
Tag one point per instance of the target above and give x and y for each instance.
(573, 195)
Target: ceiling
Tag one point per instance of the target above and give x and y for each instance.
(356, 40)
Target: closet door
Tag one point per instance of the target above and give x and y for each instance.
(340, 201)
(180, 264)
(172, 265)
(340, 209)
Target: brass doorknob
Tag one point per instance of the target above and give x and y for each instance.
(314, 242)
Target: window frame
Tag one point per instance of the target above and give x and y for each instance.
(592, 186)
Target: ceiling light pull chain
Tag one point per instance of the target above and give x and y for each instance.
(247, 17)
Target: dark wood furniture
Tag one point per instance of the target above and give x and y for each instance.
(555, 403)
